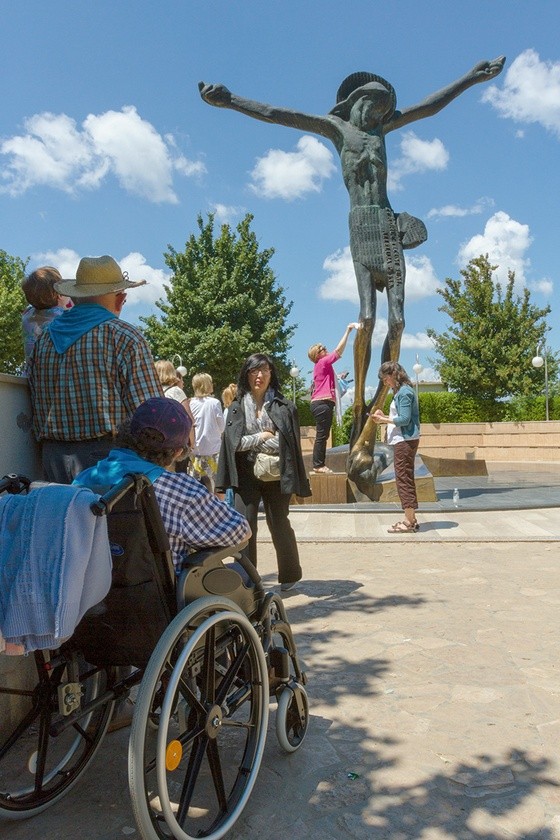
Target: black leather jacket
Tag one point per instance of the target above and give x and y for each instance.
(284, 415)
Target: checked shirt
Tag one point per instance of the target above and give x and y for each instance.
(90, 389)
(194, 518)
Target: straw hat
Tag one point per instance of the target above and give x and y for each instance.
(96, 276)
(355, 86)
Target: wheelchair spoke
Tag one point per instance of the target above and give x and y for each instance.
(231, 674)
(191, 776)
(210, 665)
(217, 774)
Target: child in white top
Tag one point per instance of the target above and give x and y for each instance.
(208, 429)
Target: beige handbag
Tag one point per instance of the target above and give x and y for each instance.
(267, 467)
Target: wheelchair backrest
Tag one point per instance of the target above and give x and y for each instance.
(126, 626)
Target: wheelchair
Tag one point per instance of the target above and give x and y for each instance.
(205, 649)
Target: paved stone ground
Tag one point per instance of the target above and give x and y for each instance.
(434, 687)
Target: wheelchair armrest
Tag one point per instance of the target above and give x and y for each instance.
(108, 500)
(218, 553)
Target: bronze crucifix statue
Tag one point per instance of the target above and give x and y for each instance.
(364, 113)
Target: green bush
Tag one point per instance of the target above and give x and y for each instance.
(304, 413)
(450, 407)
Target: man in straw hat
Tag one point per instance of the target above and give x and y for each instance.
(364, 113)
(89, 371)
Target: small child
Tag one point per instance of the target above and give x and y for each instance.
(45, 304)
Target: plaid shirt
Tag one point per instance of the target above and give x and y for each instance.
(194, 518)
(88, 391)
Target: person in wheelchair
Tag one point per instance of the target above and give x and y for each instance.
(154, 438)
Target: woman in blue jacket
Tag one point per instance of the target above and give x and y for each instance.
(403, 434)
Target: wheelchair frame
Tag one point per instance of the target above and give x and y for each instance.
(201, 712)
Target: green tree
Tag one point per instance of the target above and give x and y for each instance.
(222, 304)
(487, 350)
(12, 304)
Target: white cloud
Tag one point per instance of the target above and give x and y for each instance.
(452, 210)
(421, 280)
(530, 92)
(66, 260)
(429, 374)
(506, 242)
(226, 214)
(55, 152)
(290, 175)
(544, 287)
(418, 341)
(341, 281)
(416, 156)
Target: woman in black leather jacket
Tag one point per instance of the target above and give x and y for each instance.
(260, 419)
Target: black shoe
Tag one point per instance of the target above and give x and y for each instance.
(286, 587)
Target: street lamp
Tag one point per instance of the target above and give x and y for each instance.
(538, 361)
(179, 368)
(417, 368)
(294, 373)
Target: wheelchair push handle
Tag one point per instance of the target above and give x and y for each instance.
(108, 500)
(14, 483)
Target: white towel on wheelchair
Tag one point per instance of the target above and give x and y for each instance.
(55, 563)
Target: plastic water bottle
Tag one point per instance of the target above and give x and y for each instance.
(456, 497)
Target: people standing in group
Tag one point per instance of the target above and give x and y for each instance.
(88, 372)
(45, 304)
(323, 396)
(261, 420)
(403, 434)
(172, 384)
(208, 429)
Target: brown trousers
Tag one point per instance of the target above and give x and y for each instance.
(405, 453)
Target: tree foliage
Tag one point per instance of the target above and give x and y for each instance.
(222, 305)
(486, 351)
(12, 304)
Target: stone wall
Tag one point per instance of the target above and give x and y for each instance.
(531, 442)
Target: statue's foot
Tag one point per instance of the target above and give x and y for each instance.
(362, 470)
(364, 465)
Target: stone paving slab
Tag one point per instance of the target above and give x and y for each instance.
(435, 702)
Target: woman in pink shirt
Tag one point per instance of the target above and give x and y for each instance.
(323, 395)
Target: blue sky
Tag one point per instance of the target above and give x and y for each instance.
(106, 146)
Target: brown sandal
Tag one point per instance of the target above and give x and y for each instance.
(404, 528)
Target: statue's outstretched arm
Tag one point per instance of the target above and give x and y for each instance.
(220, 96)
(481, 72)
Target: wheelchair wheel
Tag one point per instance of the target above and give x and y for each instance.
(200, 724)
(292, 716)
(55, 729)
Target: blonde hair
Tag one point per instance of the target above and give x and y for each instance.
(38, 287)
(166, 372)
(314, 350)
(202, 384)
(229, 394)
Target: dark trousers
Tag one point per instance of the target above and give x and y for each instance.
(322, 411)
(63, 460)
(405, 453)
(276, 507)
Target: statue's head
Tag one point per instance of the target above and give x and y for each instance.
(355, 86)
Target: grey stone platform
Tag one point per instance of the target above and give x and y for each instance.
(434, 682)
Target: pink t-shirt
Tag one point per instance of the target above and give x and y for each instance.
(324, 377)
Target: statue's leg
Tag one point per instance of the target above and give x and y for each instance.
(362, 345)
(362, 464)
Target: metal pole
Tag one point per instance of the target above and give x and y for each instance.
(546, 383)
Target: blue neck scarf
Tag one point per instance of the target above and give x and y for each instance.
(76, 322)
(113, 468)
